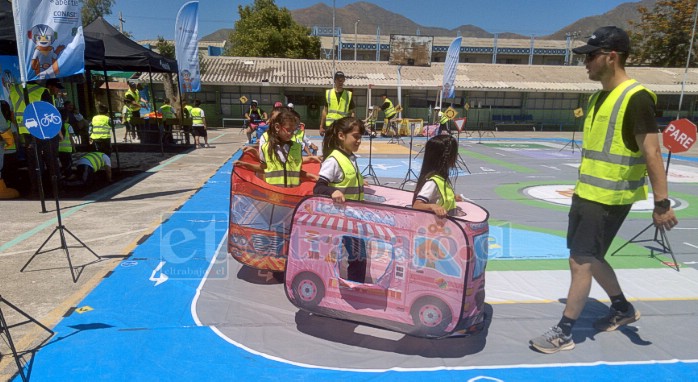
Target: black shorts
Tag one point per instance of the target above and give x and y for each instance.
(199, 131)
(593, 226)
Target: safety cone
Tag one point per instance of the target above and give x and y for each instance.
(7, 193)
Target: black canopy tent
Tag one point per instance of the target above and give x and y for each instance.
(8, 43)
(122, 53)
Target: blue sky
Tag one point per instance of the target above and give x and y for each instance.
(146, 19)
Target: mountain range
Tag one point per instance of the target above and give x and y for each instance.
(373, 16)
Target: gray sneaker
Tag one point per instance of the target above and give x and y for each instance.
(615, 319)
(552, 341)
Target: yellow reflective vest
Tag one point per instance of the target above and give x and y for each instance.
(390, 111)
(286, 174)
(100, 127)
(298, 136)
(337, 109)
(66, 144)
(610, 173)
(167, 111)
(17, 99)
(196, 118)
(352, 186)
(444, 119)
(448, 198)
(96, 160)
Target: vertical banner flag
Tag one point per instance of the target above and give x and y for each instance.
(448, 89)
(50, 43)
(186, 47)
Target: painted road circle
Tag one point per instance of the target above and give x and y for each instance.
(562, 194)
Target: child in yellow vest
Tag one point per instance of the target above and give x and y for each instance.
(434, 191)
(341, 179)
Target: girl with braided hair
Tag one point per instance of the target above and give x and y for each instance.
(434, 191)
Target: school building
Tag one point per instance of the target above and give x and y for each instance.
(491, 96)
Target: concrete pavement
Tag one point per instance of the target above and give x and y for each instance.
(111, 222)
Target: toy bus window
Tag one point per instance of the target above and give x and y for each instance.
(365, 261)
(251, 213)
(432, 254)
(480, 249)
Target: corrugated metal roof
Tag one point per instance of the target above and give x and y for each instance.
(201, 44)
(254, 71)
(326, 41)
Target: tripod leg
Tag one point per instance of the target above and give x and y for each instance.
(65, 248)
(23, 313)
(667, 248)
(461, 162)
(632, 240)
(5, 328)
(38, 251)
(420, 151)
(81, 243)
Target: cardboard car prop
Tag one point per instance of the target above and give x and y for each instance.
(425, 275)
(260, 216)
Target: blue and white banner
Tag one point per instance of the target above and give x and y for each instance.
(187, 47)
(50, 43)
(9, 70)
(449, 82)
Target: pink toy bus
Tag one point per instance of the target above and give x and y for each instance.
(425, 276)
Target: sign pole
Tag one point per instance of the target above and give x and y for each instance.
(43, 122)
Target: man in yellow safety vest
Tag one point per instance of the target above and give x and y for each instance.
(339, 103)
(620, 150)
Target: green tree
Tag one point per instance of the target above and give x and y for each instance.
(92, 9)
(264, 30)
(167, 49)
(663, 35)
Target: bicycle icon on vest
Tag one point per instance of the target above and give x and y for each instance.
(42, 120)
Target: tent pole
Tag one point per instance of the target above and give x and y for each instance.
(155, 108)
(111, 122)
(180, 115)
(90, 97)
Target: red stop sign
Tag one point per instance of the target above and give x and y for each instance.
(680, 135)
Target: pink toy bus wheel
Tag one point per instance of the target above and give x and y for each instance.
(308, 290)
(431, 316)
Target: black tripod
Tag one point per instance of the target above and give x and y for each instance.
(572, 143)
(460, 162)
(410, 172)
(5, 330)
(60, 228)
(660, 236)
(369, 171)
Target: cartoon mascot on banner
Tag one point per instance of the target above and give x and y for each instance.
(186, 81)
(45, 58)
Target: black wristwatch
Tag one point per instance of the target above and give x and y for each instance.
(665, 204)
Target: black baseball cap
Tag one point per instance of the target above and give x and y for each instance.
(338, 75)
(609, 38)
(54, 82)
